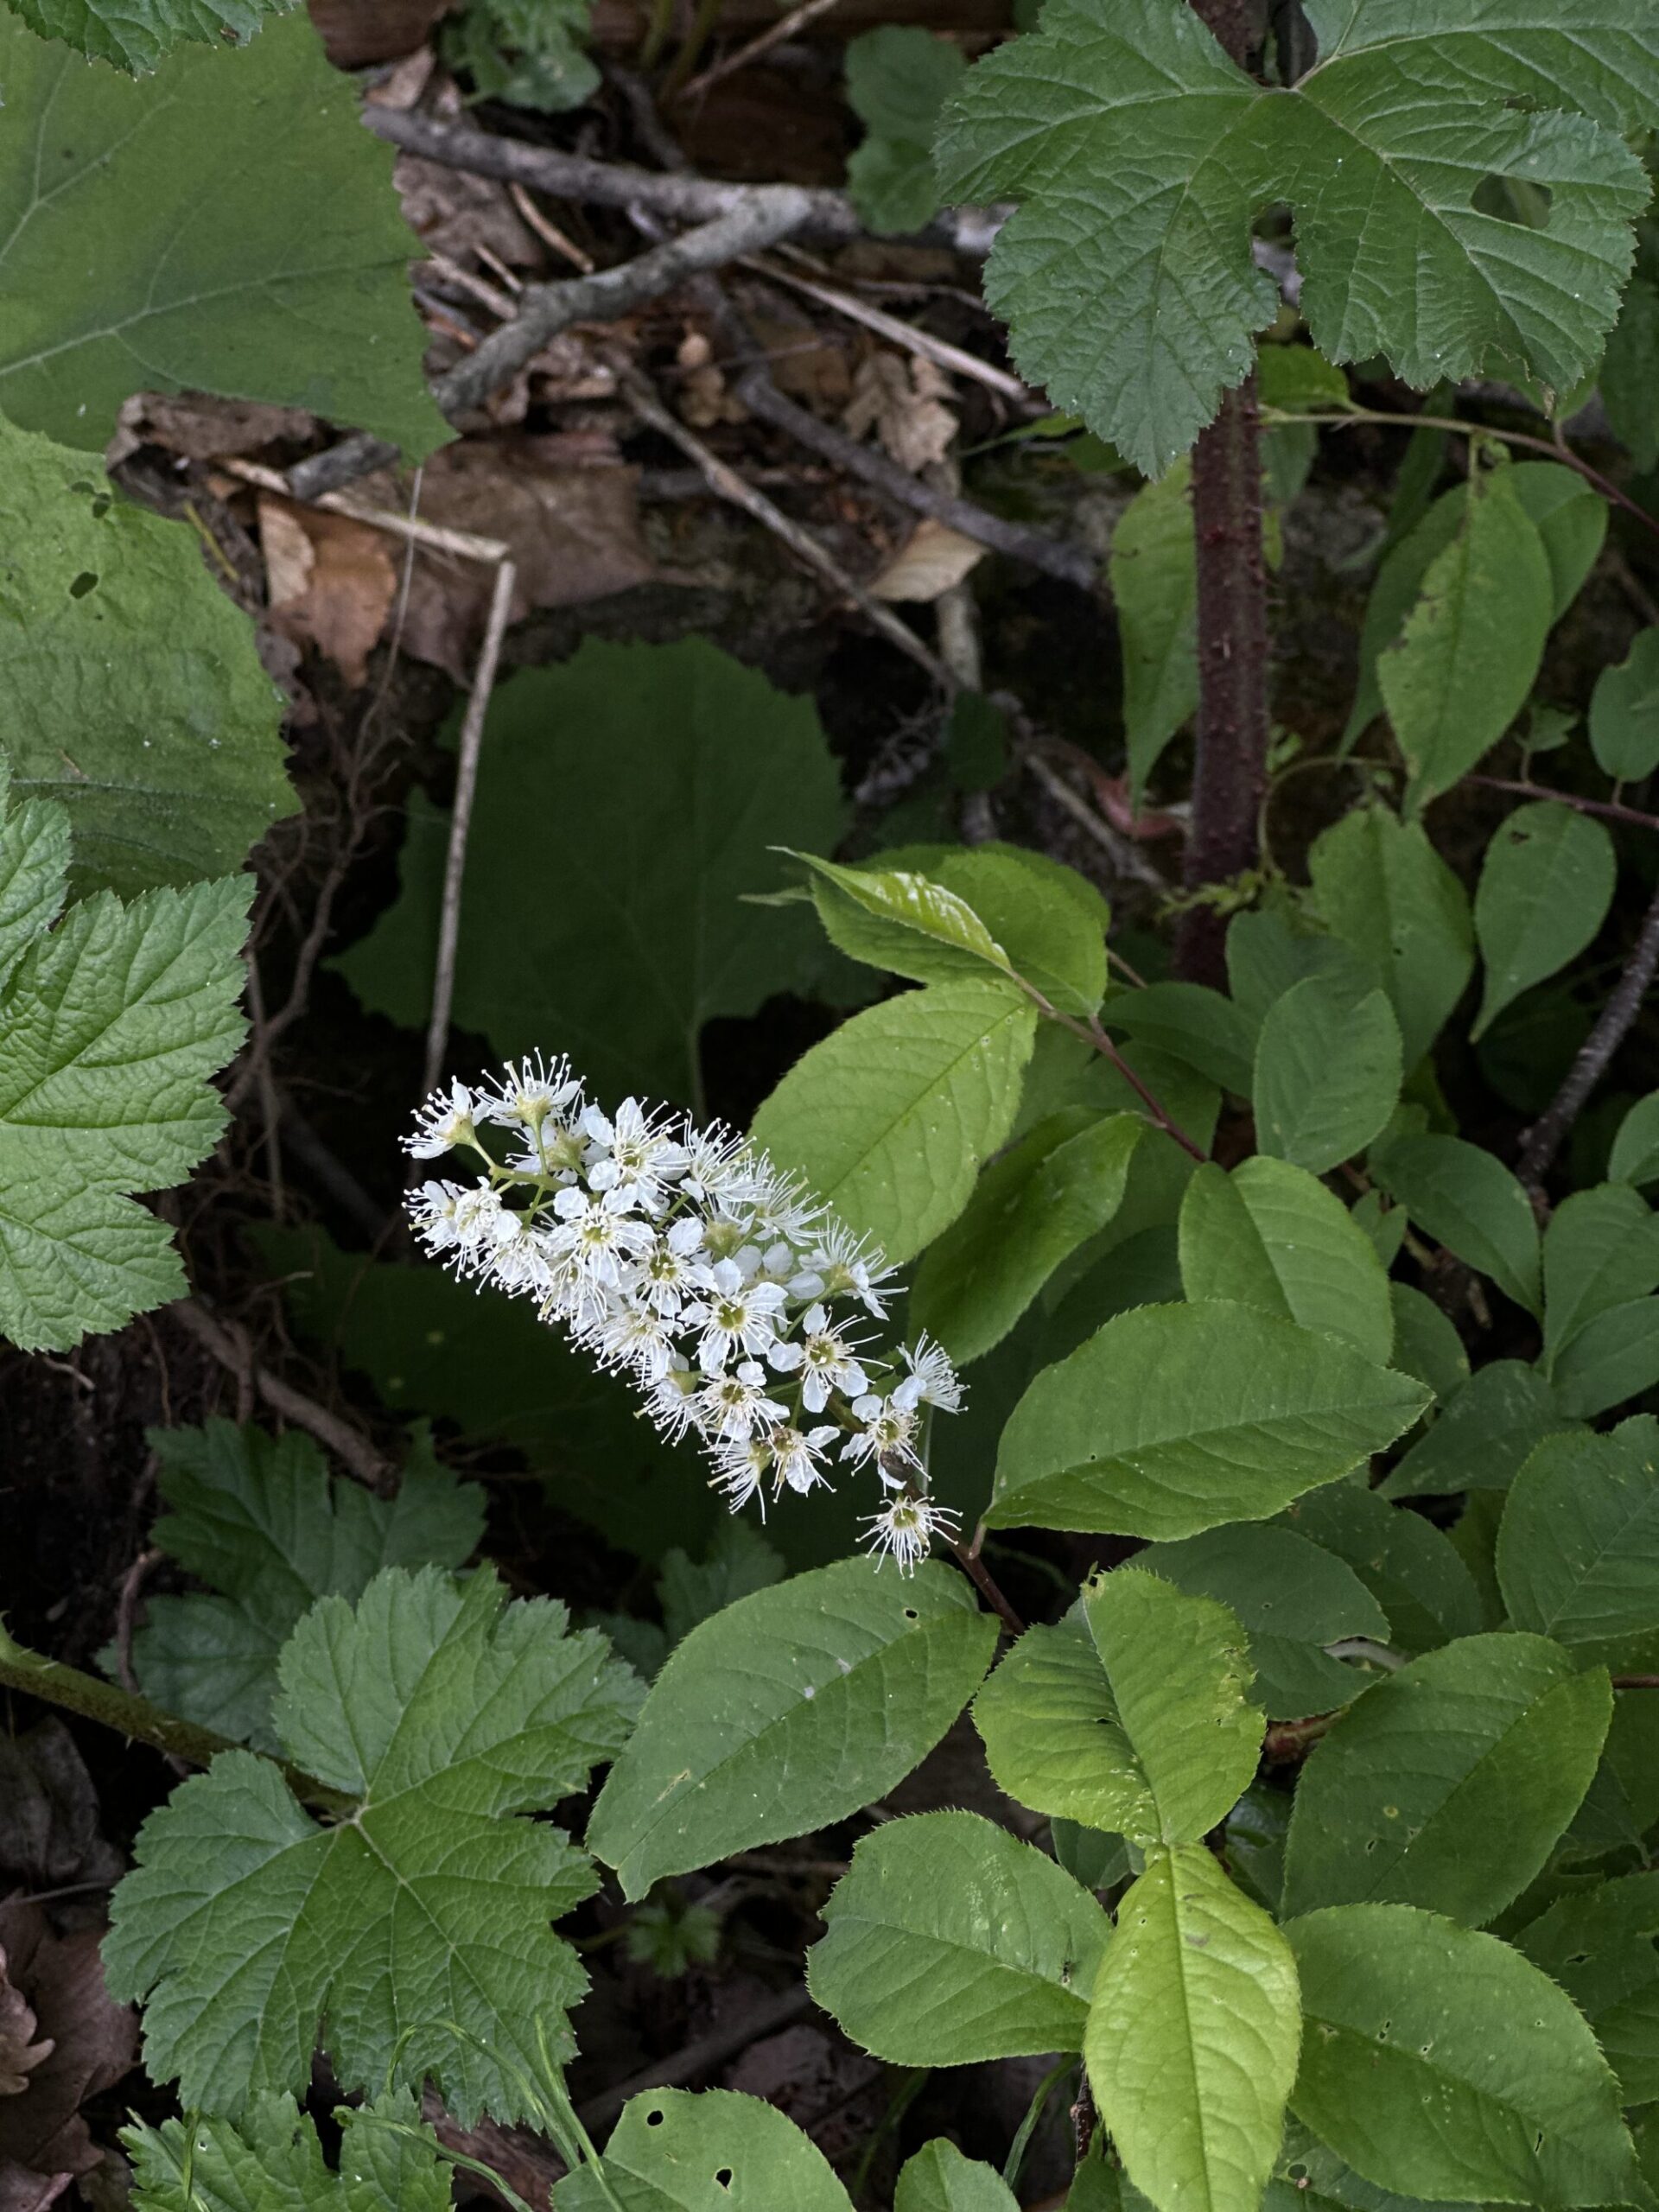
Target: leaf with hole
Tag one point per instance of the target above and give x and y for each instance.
(950, 1941)
(1600, 1946)
(713, 2150)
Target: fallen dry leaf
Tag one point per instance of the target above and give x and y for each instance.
(452, 212)
(330, 581)
(202, 428)
(574, 534)
(904, 403)
(90, 2044)
(49, 1836)
(933, 559)
(21, 2052)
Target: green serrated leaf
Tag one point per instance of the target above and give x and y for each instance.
(1578, 1549)
(627, 799)
(1601, 1250)
(414, 1933)
(899, 77)
(1192, 2037)
(862, 1676)
(131, 687)
(1154, 570)
(1194, 1024)
(1635, 1154)
(1407, 1564)
(258, 1519)
(1271, 1235)
(1425, 1340)
(224, 225)
(136, 35)
(1266, 956)
(1137, 1721)
(1481, 1434)
(1624, 712)
(1172, 1419)
(901, 921)
(1327, 1075)
(1600, 1947)
(1613, 1358)
(1447, 1783)
(939, 2179)
(673, 2150)
(1465, 1198)
(889, 1118)
(1386, 894)
(1051, 921)
(1404, 2077)
(950, 1941)
(1291, 1597)
(1138, 153)
(1029, 1213)
(110, 1025)
(388, 2158)
(1546, 885)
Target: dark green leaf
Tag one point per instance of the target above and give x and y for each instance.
(1600, 1947)
(1624, 712)
(1466, 1199)
(1407, 1566)
(1545, 887)
(1613, 1359)
(1481, 1434)
(898, 79)
(1271, 1235)
(1327, 1075)
(1194, 1024)
(1388, 895)
(1634, 1157)
(1601, 1250)
(1578, 1551)
(1154, 589)
(1425, 1342)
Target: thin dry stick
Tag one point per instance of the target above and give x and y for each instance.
(728, 485)
(455, 867)
(1609, 810)
(1125, 855)
(785, 28)
(954, 358)
(466, 544)
(354, 1451)
(547, 231)
(1547, 1133)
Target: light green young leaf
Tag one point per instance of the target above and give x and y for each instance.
(1327, 1075)
(1577, 1549)
(1545, 887)
(1387, 895)
(1426, 1341)
(890, 1116)
(1613, 1358)
(258, 1519)
(905, 922)
(1465, 1198)
(1192, 2037)
(224, 225)
(1172, 1419)
(1601, 1249)
(1481, 1434)
(273, 2163)
(166, 753)
(1138, 1721)
(1030, 1210)
(1051, 921)
(939, 2179)
(1463, 665)
(1154, 570)
(1600, 1946)
(1408, 1565)
(1635, 1155)
(1624, 712)
(1447, 1783)
(1404, 2077)
(898, 79)
(1194, 1024)
(136, 35)
(862, 1676)
(677, 2151)
(627, 798)
(247, 1926)
(110, 1025)
(950, 1941)
(1271, 1235)
(1139, 153)
(1298, 379)
(1291, 1597)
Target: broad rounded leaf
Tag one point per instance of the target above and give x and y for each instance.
(1466, 1199)
(1600, 1946)
(1635, 1155)
(1624, 712)
(1481, 1434)
(1173, 1419)
(1577, 1547)
(1546, 885)
(247, 1926)
(1613, 1358)
(1327, 1074)
(950, 1941)
(790, 1709)
(898, 76)
(1192, 2037)
(1601, 1250)
(939, 2179)
(677, 2151)
(1448, 1783)
(1194, 1024)
(889, 1117)
(1386, 894)
(1403, 2075)
(1409, 1566)
(1273, 1236)
(224, 225)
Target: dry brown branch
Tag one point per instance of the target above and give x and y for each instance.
(352, 1449)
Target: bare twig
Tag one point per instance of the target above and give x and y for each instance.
(472, 738)
(354, 1451)
(1126, 857)
(728, 485)
(1547, 1133)
(1608, 810)
(954, 358)
(547, 231)
(466, 544)
(694, 2058)
(126, 1605)
(785, 28)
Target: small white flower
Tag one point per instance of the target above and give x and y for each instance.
(675, 1267)
(531, 1092)
(443, 1123)
(780, 1206)
(740, 1472)
(631, 1154)
(628, 1334)
(905, 1528)
(734, 1315)
(719, 1168)
(837, 1264)
(671, 1400)
(432, 1214)
(599, 1232)
(733, 1405)
(520, 1261)
(824, 1359)
(481, 1222)
(886, 1429)
(798, 1456)
(932, 1381)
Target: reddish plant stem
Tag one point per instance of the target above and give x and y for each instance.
(968, 1558)
(1607, 809)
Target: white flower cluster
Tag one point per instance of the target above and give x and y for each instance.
(739, 1305)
